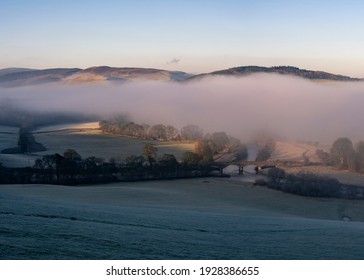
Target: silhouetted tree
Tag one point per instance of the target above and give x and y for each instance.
(150, 152)
(190, 158)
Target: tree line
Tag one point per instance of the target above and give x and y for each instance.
(207, 145)
(71, 169)
(309, 184)
(121, 126)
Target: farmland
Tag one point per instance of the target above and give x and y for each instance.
(87, 140)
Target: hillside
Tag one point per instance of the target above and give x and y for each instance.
(24, 77)
(106, 73)
(13, 77)
(283, 70)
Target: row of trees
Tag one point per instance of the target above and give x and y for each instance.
(121, 126)
(309, 184)
(71, 169)
(206, 145)
(344, 155)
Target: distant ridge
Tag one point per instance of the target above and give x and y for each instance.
(31, 77)
(14, 70)
(283, 70)
(14, 77)
(129, 73)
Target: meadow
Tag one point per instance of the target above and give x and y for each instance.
(87, 140)
(209, 218)
(175, 219)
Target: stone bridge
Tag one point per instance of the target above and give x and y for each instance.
(260, 165)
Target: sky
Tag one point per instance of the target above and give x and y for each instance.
(195, 36)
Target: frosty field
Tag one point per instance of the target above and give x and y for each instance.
(181, 219)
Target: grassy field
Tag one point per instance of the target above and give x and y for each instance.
(176, 219)
(8, 136)
(105, 146)
(87, 140)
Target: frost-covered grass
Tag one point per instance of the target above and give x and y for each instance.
(8, 137)
(181, 219)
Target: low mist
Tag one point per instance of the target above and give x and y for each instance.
(283, 106)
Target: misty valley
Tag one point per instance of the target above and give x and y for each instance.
(226, 165)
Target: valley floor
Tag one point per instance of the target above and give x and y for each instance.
(180, 219)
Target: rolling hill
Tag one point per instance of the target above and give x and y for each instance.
(283, 70)
(13, 77)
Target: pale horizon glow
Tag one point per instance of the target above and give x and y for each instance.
(192, 36)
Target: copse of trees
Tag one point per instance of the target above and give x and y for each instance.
(191, 132)
(121, 126)
(309, 184)
(344, 155)
(161, 132)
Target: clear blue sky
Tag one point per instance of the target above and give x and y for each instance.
(189, 35)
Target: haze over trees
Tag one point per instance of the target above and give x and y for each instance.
(206, 145)
(345, 155)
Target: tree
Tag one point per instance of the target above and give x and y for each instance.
(172, 132)
(204, 151)
(134, 161)
(342, 152)
(49, 163)
(150, 152)
(359, 148)
(168, 163)
(191, 133)
(266, 150)
(72, 155)
(190, 158)
(241, 152)
(220, 139)
(158, 131)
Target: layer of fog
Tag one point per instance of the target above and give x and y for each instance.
(285, 106)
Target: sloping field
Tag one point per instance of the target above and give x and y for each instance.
(8, 137)
(180, 219)
(294, 152)
(86, 128)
